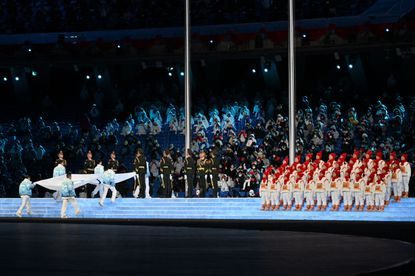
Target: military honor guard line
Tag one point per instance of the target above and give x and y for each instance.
(360, 183)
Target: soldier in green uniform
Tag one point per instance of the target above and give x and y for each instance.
(189, 172)
(140, 167)
(167, 170)
(214, 172)
(208, 171)
(113, 163)
(61, 159)
(89, 167)
(201, 169)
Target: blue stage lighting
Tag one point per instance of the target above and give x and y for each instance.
(266, 70)
(182, 74)
(99, 77)
(17, 78)
(350, 66)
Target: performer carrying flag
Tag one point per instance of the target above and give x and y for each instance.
(68, 195)
(108, 180)
(25, 191)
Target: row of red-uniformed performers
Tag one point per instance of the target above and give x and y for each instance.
(360, 182)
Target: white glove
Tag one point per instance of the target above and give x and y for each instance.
(185, 177)
(171, 178)
(161, 176)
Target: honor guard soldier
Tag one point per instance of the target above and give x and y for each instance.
(140, 168)
(201, 168)
(61, 160)
(89, 164)
(214, 172)
(167, 170)
(113, 163)
(189, 172)
(208, 172)
(89, 167)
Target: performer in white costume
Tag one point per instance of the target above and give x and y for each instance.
(59, 170)
(68, 195)
(406, 174)
(99, 169)
(108, 180)
(25, 191)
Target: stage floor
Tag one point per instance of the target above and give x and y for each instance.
(82, 249)
(200, 209)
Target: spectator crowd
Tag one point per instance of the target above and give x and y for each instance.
(243, 138)
(83, 15)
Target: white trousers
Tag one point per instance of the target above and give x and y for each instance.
(369, 199)
(335, 197)
(397, 189)
(286, 198)
(98, 188)
(359, 199)
(405, 183)
(309, 198)
(147, 192)
(105, 192)
(25, 203)
(379, 200)
(65, 201)
(275, 197)
(388, 191)
(321, 198)
(347, 198)
(298, 197)
(266, 197)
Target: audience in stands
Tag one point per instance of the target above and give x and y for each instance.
(246, 138)
(79, 15)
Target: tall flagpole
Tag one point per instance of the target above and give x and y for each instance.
(187, 87)
(291, 86)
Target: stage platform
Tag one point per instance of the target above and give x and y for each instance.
(200, 209)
